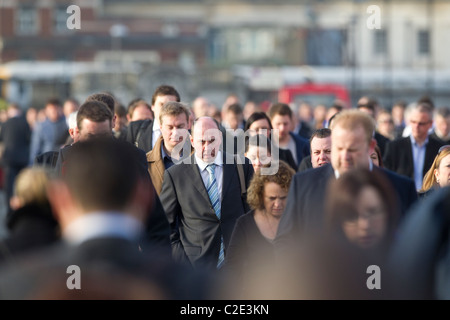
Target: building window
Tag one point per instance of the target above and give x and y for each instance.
(27, 20)
(60, 16)
(380, 42)
(423, 42)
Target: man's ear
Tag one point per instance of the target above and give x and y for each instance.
(63, 205)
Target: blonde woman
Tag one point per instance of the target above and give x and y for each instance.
(438, 176)
(30, 224)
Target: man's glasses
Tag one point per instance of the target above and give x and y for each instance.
(443, 148)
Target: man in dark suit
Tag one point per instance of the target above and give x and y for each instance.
(15, 135)
(412, 156)
(102, 211)
(351, 146)
(281, 118)
(144, 133)
(202, 198)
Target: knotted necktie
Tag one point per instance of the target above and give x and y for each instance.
(213, 193)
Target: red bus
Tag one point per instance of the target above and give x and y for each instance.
(315, 93)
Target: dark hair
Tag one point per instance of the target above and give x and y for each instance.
(165, 90)
(444, 112)
(54, 102)
(96, 111)
(104, 97)
(255, 116)
(426, 99)
(380, 158)
(235, 108)
(120, 110)
(281, 109)
(341, 193)
(320, 133)
(102, 173)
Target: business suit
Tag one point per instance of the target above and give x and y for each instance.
(398, 156)
(195, 229)
(111, 267)
(304, 212)
(15, 135)
(140, 133)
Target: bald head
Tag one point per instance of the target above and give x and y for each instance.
(206, 138)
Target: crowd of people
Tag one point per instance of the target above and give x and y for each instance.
(172, 200)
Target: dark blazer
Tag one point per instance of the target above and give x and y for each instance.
(304, 130)
(15, 135)
(110, 268)
(305, 164)
(435, 136)
(140, 133)
(382, 141)
(421, 251)
(398, 156)
(195, 228)
(303, 148)
(30, 227)
(304, 212)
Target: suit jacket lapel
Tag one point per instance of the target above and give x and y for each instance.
(409, 154)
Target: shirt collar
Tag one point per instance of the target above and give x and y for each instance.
(414, 143)
(155, 126)
(218, 161)
(100, 224)
(337, 174)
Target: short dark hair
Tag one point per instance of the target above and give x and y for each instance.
(96, 111)
(165, 90)
(235, 108)
(120, 110)
(102, 173)
(281, 109)
(173, 108)
(320, 133)
(444, 112)
(53, 101)
(255, 116)
(104, 97)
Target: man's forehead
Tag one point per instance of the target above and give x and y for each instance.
(325, 140)
(172, 118)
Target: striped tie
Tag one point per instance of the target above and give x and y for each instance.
(213, 194)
